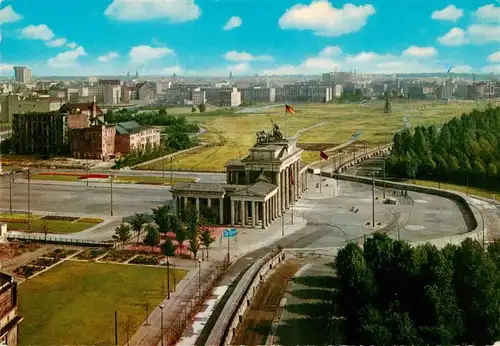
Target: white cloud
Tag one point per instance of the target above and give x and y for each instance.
(362, 57)
(173, 69)
(454, 37)
(72, 45)
(311, 65)
(330, 51)
(244, 56)
(420, 52)
(108, 57)
(233, 23)
(57, 42)
(488, 13)
(6, 69)
(326, 20)
(8, 15)
(66, 59)
(495, 57)
(236, 69)
(37, 32)
(450, 12)
(142, 54)
(462, 69)
(0, 37)
(137, 10)
(491, 69)
(474, 34)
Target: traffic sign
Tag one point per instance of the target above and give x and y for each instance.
(230, 232)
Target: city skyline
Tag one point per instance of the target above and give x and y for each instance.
(211, 38)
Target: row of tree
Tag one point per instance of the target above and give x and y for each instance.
(465, 148)
(186, 226)
(393, 294)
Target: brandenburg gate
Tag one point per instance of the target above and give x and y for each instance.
(258, 188)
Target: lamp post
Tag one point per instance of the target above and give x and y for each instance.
(29, 199)
(11, 179)
(161, 326)
(111, 195)
(168, 278)
(341, 230)
(373, 199)
(397, 223)
(199, 278)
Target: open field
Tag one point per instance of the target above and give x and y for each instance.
(119, 179)
(74, 302)
(232, 134)
(20, 222)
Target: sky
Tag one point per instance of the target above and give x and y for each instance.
(247, 37)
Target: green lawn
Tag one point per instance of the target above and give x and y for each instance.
(121, 179)
(234, 133)
(37, 224)
(74, 303)
(460, 188)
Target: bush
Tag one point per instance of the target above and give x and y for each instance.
(60, 218)
(90, 254)
(116, 256)
(27, 270)
(44, 262)
(90, 220)
(61, 253)
(148, 260)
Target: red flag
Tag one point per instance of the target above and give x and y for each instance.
(323, 155)
(289, 109)
(292, 180)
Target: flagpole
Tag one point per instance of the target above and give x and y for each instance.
(286, 128)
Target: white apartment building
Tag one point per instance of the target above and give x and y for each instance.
(304, 93)
(22, 74)
(338, 90)
(258, 94)
(76, 94)
(17, 104)
(229, 97)
(112, 94)
(198, 96)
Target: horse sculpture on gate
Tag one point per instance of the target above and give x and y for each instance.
(271, 136)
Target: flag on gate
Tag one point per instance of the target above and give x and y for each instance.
(289, 109)
(323, 155)
(292, 180)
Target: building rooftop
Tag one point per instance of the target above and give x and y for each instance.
(130, 127)
(207, 187)
(82, 106)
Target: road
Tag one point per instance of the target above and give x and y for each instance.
(75, 199)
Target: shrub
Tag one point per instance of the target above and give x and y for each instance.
(27, 270)
(148, 260)
(60, 218)
(116, 256)
(61, 253)
(90, 220)
(90, 254)
(44, 262)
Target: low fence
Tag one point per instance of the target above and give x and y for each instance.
(232, 314)
(193, 304)
(59, 241)
(329, 150)
(170, 155)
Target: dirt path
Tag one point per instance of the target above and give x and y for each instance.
(259, 317)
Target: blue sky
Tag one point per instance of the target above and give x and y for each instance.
(213, 37)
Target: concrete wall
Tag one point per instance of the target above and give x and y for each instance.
(234, 310)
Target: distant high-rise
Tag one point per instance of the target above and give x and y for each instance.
(137, 74)
(23, 74)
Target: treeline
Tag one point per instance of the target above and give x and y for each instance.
(465, 148)
(392, 294)
(160, 118)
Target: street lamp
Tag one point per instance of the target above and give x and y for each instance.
(341, 230)
(162, 338)
(397, 223)
(199, 278)
(111, 195)
(373, 199)
(29, 199)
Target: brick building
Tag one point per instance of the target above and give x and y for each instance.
(96, 142)
(81, 115)
(9, 319)
(131, 136)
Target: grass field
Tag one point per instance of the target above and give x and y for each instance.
(460, 188)
(122, 179)
(232, 134)
(74, 303)
(37, 224)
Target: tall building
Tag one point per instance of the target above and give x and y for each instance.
(9, 318)
(23, 74)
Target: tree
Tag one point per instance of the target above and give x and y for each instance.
(206, 238)
(137, 223)
(168, 248)
(162, 216)
(180, 233)
(122, 234)
(202, 107)
(193, 109)
(152, 236)
(193, 233)
(387, 106)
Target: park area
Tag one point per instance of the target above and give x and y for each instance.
(104, 178)
(231, 134)
(74, 302)
(48, 223)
